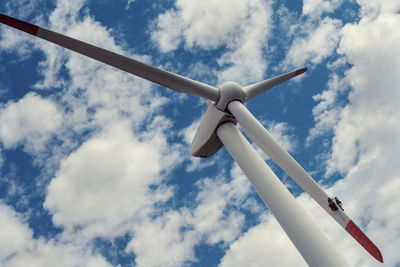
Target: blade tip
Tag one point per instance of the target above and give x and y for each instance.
(380, 258)
(300, 71)
(363, 240)
(378, 255)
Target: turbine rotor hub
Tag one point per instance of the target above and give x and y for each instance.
(230, 91)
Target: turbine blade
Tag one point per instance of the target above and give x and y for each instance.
(302, 231)
(150, 73)
(263, 139)
(257, 88)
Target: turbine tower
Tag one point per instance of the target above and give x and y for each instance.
(218, 128)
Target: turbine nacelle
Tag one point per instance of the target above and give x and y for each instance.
(206, 142)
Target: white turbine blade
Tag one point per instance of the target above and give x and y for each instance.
(280, 156)
(156, 75)
(257, 88)
(302, 231)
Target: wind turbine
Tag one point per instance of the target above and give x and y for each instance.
(218, 128)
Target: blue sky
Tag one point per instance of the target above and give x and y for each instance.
(94, 163)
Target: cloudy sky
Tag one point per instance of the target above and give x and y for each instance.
(94, 163)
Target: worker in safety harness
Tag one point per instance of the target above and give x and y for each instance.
(332, 204)
(339, 203)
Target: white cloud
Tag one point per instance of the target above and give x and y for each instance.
(19, 248)
(207, 24)
(163, 241)
(23, 9)
(246, 63)
(105, 183)
(315, 8)
(281, 132)
(263, 245)
(13, 233)
(109, 91)
(320, 41)
(375, 7)
(371, 114)
(170, 238)
(213, 199)
(242, 26)
(128, 4)
(14, 41)
(65, 14)
(31, 121)
(168, 34)
(326, 112)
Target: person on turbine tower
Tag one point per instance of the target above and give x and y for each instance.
(332, 204)
(339, 203)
